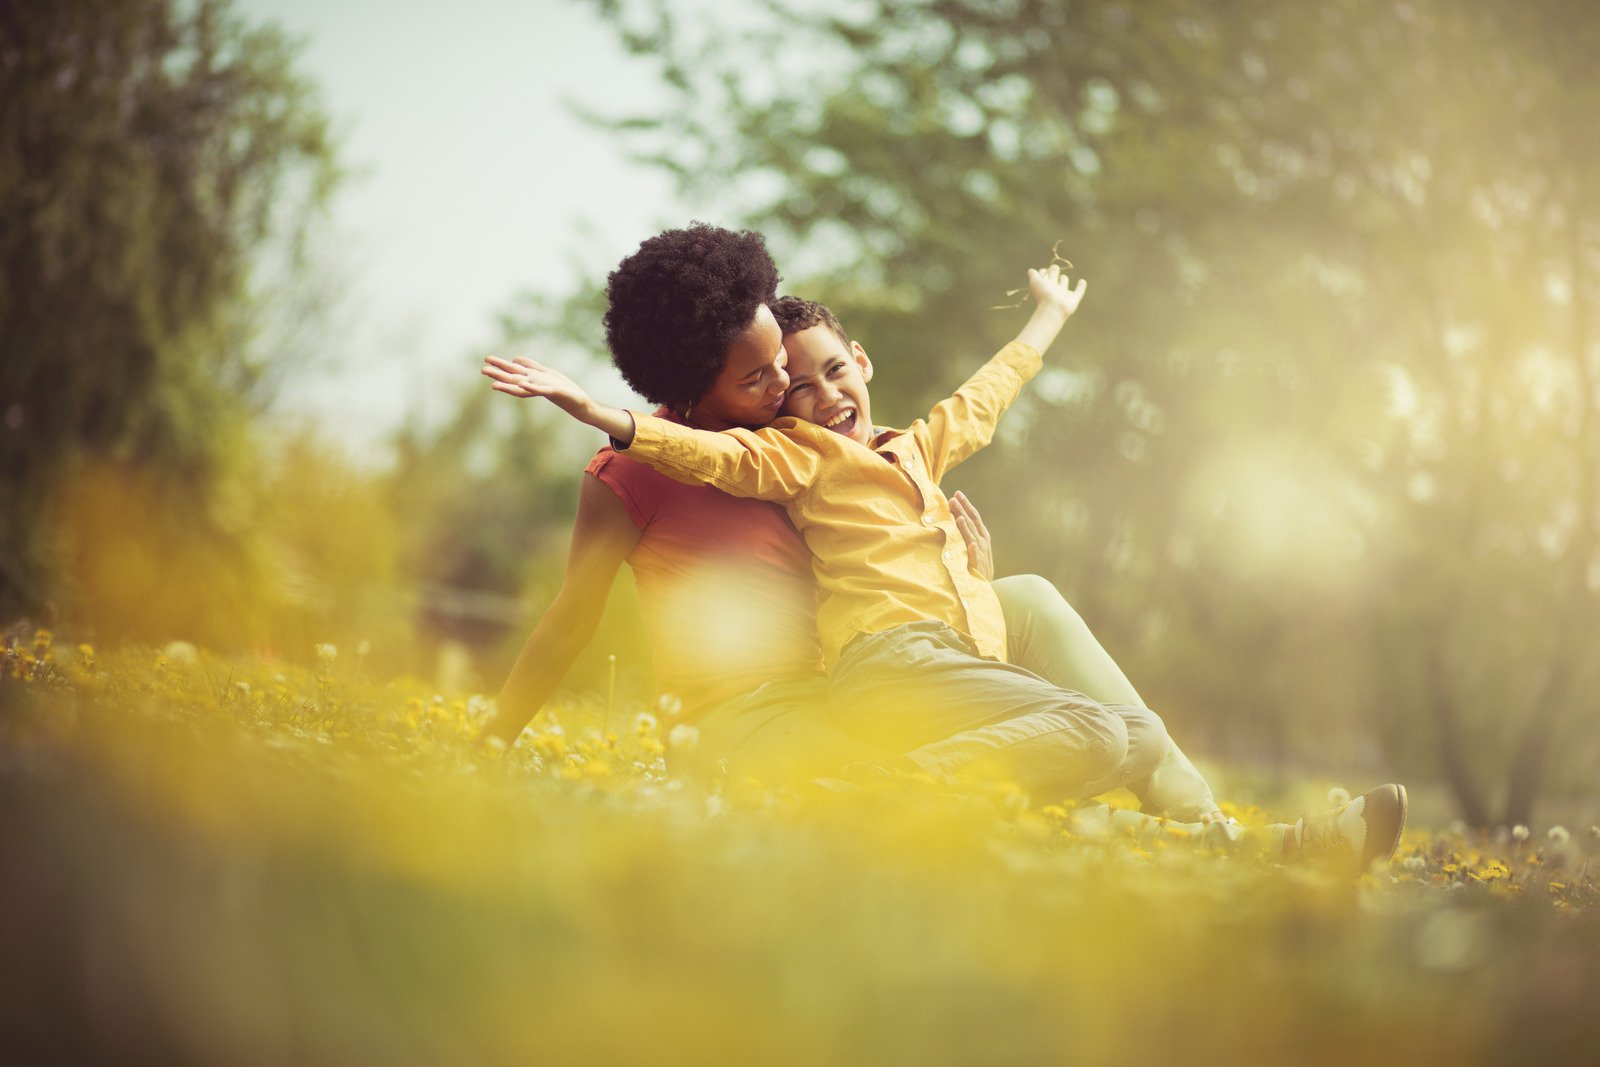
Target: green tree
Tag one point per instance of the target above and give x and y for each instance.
(150, 151)
(1326, 453)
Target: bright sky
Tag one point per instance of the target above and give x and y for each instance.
(473, 182)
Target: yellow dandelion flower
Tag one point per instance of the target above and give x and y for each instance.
(550, 746)
(1494, 871)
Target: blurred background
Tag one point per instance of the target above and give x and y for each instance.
(1318, 461)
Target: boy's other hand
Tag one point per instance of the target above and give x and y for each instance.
(1052, 289)
(522, 377)
(980, 551)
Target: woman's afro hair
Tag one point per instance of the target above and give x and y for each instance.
(675, 307)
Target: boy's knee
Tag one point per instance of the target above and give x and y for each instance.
(1024, 587)
(1147, 741)
(1030, 596)
(1109, 740)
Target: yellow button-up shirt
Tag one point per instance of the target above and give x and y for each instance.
(884, 544)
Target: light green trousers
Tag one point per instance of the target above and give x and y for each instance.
(1048, 637)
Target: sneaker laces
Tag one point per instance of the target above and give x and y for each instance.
(1319, 834)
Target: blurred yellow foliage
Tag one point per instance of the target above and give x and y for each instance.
(308, 860)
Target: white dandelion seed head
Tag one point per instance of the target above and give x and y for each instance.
(645, 723)
(1338, 797)
(1414, 863)
(180, 652)
(363, 647)
(683, 737)
(327, 653)
(1519, 832)
(669, 705)
(1558, 835)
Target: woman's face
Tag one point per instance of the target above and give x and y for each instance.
(750, 389)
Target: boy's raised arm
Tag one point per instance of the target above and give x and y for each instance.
(522, 377)
(1053, 304)
(963, 423)
(765, 464)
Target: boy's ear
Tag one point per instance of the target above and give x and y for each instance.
(860, 355)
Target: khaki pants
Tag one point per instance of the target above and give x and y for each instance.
(783, 731)
(778, 732)
(922, 689)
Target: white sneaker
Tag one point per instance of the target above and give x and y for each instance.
(1354, 837)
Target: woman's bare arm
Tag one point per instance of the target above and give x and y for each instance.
(602, 537)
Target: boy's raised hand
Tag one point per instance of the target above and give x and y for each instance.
(523, 377)
(1052, 289)
(1054, 303)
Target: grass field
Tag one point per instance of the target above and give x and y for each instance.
(211, 860)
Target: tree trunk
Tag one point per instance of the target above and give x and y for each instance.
(1453, 759)
(1533, 751)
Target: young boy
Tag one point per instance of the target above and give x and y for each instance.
(915, 642)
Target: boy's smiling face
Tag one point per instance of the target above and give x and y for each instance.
(828, 383)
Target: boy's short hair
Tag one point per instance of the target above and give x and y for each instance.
(795, 314)
(675, 307)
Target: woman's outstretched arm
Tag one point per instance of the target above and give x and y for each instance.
(602, 537)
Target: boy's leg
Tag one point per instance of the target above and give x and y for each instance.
(1048, 637)
(778, 732)
(1101, 820)
(921, 689)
